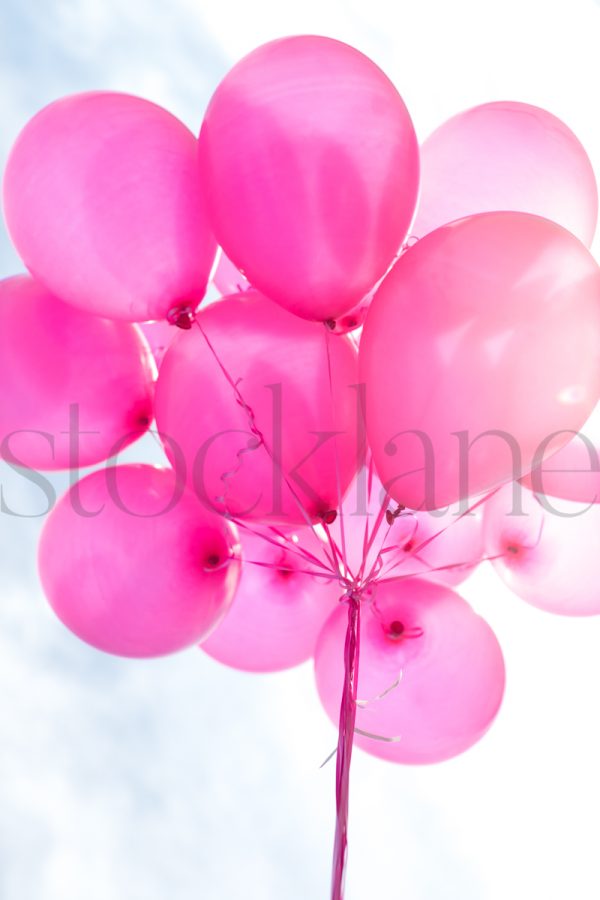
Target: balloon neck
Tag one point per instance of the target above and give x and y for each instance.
(182, 317)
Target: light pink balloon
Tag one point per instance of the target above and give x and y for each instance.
(75, 388)
(135, 567)
(438, 661)
(491, 323)
(311, 170)
(574, 471)
(548, 552)
(227, 278)
(506, 156)
(103, 200)
(281, 367)
(440, 545)
(159, 336)
(277, 612)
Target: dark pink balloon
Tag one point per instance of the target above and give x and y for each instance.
(278, 610)
(280, 365)
(103, 200)
(506, 156)
(135, 567)
(431, 673)
(75, 388)
(490, 324)
(311, 169)
(547, 552)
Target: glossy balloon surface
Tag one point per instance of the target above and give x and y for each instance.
(133, 566)
(75, 388)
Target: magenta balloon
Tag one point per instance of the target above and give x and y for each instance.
(159, 336)
(103, 201)
(548, 552)
(447, 667)
(75, 388)
(227, 278)
(281, 366)
(311, 170)
(277, 612)
(134, 567)
(506, 156)
(491, 323)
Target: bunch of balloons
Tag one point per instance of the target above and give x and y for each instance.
(360, 420)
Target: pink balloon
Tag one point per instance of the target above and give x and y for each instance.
(490, 324)
(159, 336)
(227, 278)
(281, 367)
(311, 168)
(440, 545)
(431, 671)
(75, 388)
(103, 200)
(135, 567)
(574, 471)
(548, 553)
(277, 612)
(506, 156)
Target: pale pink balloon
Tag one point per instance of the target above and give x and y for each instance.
(506, 156)
(441, 545)
(159, 336)
(75, 389)
(574, 471)
(547, 552)
(134, 566)
(490, 324)
(311, 169)
(278, 610)
(280, 365)
(227, 278)
(431, 671)
(103, 200)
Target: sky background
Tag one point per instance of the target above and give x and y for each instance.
(179, 778)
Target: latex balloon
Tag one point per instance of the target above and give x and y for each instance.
(75, 388)
(159, 336)
(134, 566)
(103, 200)
(431, 675)
(506, 156)
(277, 612)
(227, 278)
(481, 342)
(311, 186)
(440, 545)
(574, 471)
(547, 552)
(280, 366)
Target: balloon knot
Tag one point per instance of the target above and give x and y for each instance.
(392, 515)
(396, 629)
(329, 516)
(181, 316)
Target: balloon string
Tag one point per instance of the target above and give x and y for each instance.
(257, 432)
(290, 546)
(336, 448)
(373, 535)
(345, 741)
